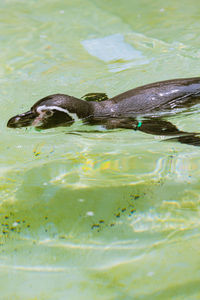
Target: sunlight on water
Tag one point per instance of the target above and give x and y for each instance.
(88, 213)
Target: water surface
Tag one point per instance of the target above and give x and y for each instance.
(88, 213)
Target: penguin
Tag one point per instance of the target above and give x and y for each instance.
(143, 108)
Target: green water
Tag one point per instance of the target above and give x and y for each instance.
(87, 213)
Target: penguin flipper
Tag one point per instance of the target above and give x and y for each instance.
(150, 126)
(98, 97)
(159, 127)
(165, 128)
(155, 127)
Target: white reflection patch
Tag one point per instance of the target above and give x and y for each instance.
(113, 48)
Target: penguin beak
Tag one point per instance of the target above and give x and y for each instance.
(22, 120)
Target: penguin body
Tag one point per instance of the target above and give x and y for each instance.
(150, 101)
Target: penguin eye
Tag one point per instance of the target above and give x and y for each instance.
(49, 113)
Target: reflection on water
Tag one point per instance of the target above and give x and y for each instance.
(113, 49)
(88, 213)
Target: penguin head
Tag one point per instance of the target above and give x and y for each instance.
(51, 111)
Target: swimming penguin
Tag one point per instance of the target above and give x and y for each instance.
(142, 108)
